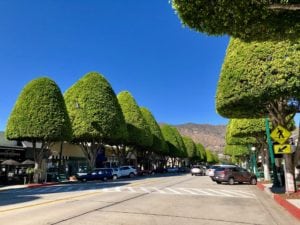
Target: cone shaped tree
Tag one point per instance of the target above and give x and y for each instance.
(158, 145)
(175, 143)
(95, 114)
(248, 20)
(191, 149)
(39, 116)
(139, 134)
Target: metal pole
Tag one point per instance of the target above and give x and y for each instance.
(271, 153)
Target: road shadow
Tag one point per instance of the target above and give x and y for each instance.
(27, 194)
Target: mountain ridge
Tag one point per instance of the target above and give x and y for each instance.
(210, 136)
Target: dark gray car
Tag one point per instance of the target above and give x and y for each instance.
(234, 174)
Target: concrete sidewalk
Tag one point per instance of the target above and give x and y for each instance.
(291, 205)
(33, 185)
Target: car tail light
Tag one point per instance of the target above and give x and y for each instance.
(222, 173)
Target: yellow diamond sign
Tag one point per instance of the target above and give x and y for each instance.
(282, 149)
(280, 134)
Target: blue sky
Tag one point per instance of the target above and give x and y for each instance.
(138, 45)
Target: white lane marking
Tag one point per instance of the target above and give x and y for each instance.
(189, 191)
(202, 192)
(246, 193)
(131, 189)
(158, 190)
(173, 191)
(219, 193)
(116, 189)
(145, 190)
(234, 192)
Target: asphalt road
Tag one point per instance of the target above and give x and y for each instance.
(168, 200)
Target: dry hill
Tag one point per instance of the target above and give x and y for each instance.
(210, 136)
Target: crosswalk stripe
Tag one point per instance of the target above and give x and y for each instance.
(131, 189)
(159, 190)
(246, 193)
(189, 191)
(237, 194)
(219, 193)
(202, 192)
(172, 190)
(145, 190)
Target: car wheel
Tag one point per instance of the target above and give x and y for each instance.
(115, 177)
(83, 180)
(231, 181)
(131, 175)
(218, 182)
(104, 178)
(253, 181)
(152, 173)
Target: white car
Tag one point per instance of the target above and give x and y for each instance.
(127, 171)
(197, 170)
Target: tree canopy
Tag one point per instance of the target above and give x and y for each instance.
(96, 115)
(94, 110)
(39, 114)
(248, 127)
(138, 130)
(232, 139)
(258, 79)
(201, 153)
(248, 20)
(174, 141)
(158, 144)
(190, 147)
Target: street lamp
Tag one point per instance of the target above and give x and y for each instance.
(253, 149)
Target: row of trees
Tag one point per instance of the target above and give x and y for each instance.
(91, 115)
(261, 71)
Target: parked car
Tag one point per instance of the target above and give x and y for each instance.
(211, 170)
(172, 169)
(234, 174)
(145, 172)
(96, 174)
(159, 170)
(116, 172)
(197, 170)
(127, 171)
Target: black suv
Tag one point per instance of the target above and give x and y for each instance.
(234, 174)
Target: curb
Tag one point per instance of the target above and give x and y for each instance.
(293, 210)
(41, 185)
(288, 206)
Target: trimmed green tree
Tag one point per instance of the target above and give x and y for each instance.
(174, 142)
(201, 153)
(158, 145)
(40, 117)
(260, 79)
(191, 149)
(248, 20)
(139, 134)
(95, 114)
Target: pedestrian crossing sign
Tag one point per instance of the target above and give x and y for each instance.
(282, 149)
(280, 134)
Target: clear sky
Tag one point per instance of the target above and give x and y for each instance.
(138, 45)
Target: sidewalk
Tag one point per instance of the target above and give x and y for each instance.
(33, 185)
(292, 205)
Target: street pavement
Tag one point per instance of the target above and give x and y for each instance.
(180, 199)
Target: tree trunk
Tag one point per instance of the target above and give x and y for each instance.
(290, 174)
